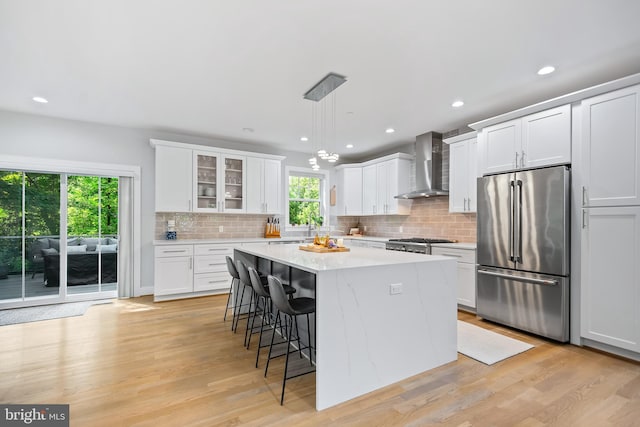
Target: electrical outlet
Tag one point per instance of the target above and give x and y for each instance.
(221, 229)
(395, 288)
(400, 229)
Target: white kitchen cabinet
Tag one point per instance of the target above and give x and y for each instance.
(369, 190)
(466, 287)
(382, 179)
(610, 288)
(546, 138)
(502, 146)
(219, 182)
(611, 148)
(463, 171)
(184, 271)
(264, 186)
(540, 139)
(173, 270)
(350, 190)
(173, 189)
(210, 267)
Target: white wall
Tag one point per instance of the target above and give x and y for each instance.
(44, 137)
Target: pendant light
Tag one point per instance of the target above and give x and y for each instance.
(323, 121)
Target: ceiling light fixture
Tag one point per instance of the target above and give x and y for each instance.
(320, 140)
(548, 69)
(304, 139)
(40, 99)
(349, 146)
(389, 130)
(457, 104)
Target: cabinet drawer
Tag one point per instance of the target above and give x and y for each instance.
(211, 281)
(210, 264)
(173, 250)
(462, 255)
(214, 250)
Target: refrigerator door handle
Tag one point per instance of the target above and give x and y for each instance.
(518, 234)
(547, 282)
(511, 218)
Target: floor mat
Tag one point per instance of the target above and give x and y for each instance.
(46, 312)
(486, 346)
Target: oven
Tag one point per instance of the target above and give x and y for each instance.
(415, 245)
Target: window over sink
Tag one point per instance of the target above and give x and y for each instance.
(306, 197)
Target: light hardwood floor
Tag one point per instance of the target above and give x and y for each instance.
(136, 363)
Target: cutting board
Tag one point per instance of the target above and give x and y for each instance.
(322, 249)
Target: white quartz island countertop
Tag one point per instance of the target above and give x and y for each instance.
(316, 262)
(381, 316)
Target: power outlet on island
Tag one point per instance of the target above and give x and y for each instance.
(395, 288)
(221, 229)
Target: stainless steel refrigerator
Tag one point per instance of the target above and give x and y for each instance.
(523, 250)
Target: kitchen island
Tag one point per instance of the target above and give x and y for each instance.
(381, 316)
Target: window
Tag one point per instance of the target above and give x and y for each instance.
(306, 204)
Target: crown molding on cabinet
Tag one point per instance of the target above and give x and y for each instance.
(560, 100)
(155, 142)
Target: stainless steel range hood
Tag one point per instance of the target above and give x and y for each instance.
(428, 167)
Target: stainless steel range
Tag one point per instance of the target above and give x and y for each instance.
(416, 245)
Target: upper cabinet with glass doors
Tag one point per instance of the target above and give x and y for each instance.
(194, 178)
(219, 182)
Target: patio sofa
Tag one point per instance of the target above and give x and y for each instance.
(82, 260)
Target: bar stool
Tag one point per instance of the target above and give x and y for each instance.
(235, 279)
(262, 294)
(246, 282)
(291, 308)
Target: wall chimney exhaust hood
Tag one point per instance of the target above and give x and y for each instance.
(428, 167)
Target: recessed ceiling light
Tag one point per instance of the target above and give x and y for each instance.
(40, 99)
(390, 130)
(349, 145)
(304, 139)
(457, 104)
(546, 70)
(248, 129)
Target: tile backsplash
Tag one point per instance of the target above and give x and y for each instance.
(207, 226)
(429, 217)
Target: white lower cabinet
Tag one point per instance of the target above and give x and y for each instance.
(183, 271)
(610, 291)
(466, 273)
(210, 271)
(173, 270)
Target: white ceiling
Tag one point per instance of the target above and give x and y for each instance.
(211, 68)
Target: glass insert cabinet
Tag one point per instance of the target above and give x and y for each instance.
(220, 182)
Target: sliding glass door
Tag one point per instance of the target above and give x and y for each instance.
(29, 221)
(92, 234)
(38, 262)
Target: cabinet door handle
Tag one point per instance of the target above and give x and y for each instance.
(469, 204)
(217, 249)
(516, 160)
(174, 251)
(584, 196)
(522, 159)
(453, 255)
(217, 263)
(190, 263)
(584, 218)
